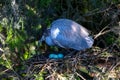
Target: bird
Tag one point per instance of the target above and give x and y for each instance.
(67, 34)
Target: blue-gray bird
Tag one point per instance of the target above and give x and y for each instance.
(68, 34)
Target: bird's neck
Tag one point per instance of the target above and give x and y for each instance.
(49, 41)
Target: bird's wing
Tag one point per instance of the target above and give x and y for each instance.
(69, 34)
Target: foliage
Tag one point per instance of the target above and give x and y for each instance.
(22, 23)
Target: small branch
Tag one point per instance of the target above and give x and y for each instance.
(102, 32)
(114, 66)
(80, 76)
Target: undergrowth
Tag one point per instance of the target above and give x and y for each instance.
(22, 24)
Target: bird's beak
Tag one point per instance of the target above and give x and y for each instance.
(42, 39)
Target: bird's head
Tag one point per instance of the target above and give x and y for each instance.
(45, 34)
(46, 37)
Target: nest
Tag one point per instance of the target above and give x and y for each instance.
(97, 61)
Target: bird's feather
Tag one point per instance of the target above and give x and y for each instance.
(69, 34)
